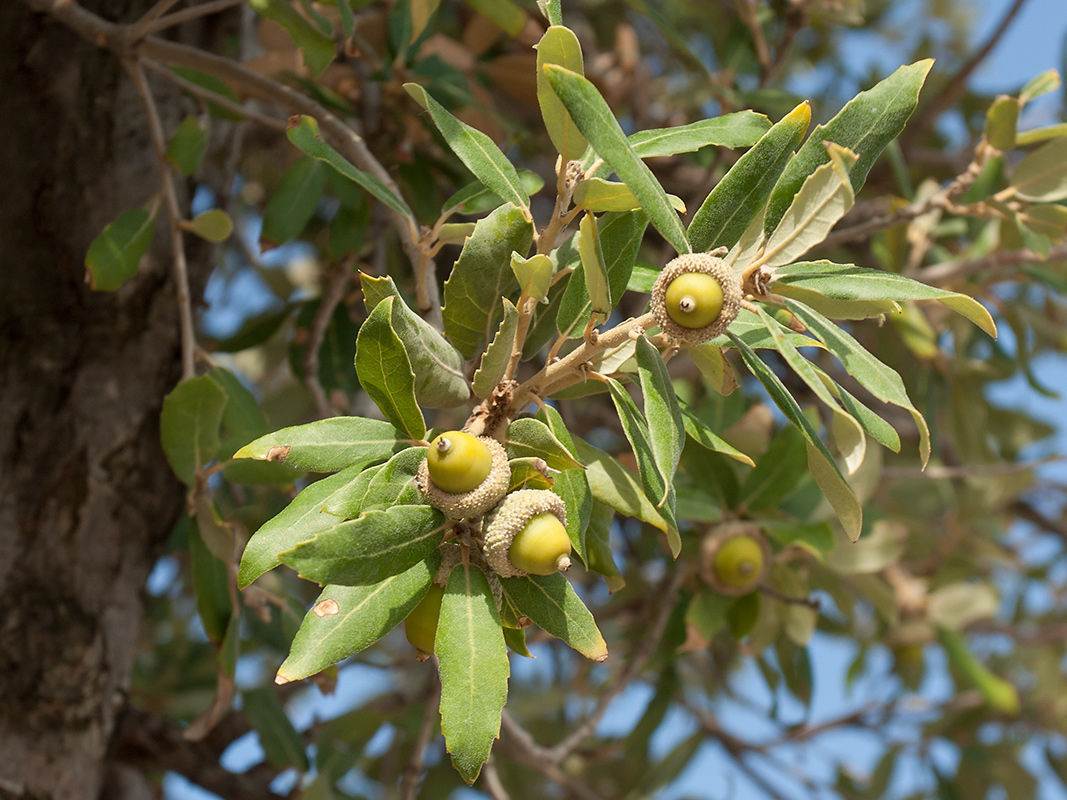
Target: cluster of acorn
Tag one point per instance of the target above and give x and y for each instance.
(523, 533)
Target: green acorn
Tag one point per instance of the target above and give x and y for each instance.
(527, 534)
(735, 558)
(696, 297)
(464, 476)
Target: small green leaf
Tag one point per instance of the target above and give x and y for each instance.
(282, 745)
(593, 269)
(554, 607)
(213, 225)
(300, 521)
(867, 123)
(559, 46)
(1038, 135)
(877, 378)
(347, 619)
(495, 359)
(999, 693)
(594, 118)
(437, 365)
(820, 462)
(393, 484)
(713, 366)
(825, 197)
(777, 472)
(740, 129)
(187, 146)
(749, 328)
(550, 10)
(515, 638)
(1044, 83)
(703, 435)
(113, 256)
(369, 548)
(476, 198)
(473, 667)
(656, 487)
(846, 283)
(482, 276)
(318, 49)
(421, 11)
(328, 445)
(616, 487)
(1002, 122)
(662, 412)
(528, 437)
(597, 194)
(210, 586)
(293, 203)
(1042, 175)
(475, 149)
(347, 502)
(505, 14)
(189, 425)
(570, 484)
(384, 371)
(304, 134)
(742, 193)
(534, 274)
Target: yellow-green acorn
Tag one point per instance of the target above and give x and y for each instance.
(696, 297)
(735, 558)
(420, 626)
(527, 534)
(463, 475)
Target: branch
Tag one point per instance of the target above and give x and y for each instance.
(174, 215)
(409, 783)
(950, 271)
(202, 10)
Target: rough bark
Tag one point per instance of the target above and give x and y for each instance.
(86, 496)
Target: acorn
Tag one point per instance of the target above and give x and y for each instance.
(735, 558)
(464, 476)
(420, 626)
(527, 534)
(696, 297)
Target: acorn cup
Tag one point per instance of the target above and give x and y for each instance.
(696, 297)
(464, 476)
(527, 535)
(735, 558)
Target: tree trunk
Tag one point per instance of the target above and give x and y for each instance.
(86, 495)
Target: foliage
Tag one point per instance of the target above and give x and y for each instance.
(813, 417)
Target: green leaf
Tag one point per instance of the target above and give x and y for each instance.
(742, 193)
(304, 134)
(1042, 175)
(877, 378)
(282, 745)
(328, 445)
(703, 435)
(318, 49)
(476, 198)
(571, 484)
(825, 197)
(384, 371)
(242, 418)
(820, 462)
(713, 366)
(877, 427)
(421, 11)
(999, 693)
(1048, 81)
(615, 486)
(656, 487)
(393, 484)
(505, 14)
(534, 274)
(515, 638)
(473, 667)
(347, 502)
(554, 607)
(213, 225)
(594, 118)
(300, 521)
(620, 238)
(1038, 135)
(777, 472)
(369, 548)
(741, 129)
(437, 365)
(495, 359)
(293, 203)
(482, 276)
(818, 537)
(597, 194)
(550, 10)
(187, 146)
(846, 283)
(189, 425)
(1002, 122)
(662, 412)
(559, 46)
(210, 586)
(113, 256)
(593, 268)
(749, 328)
(347, 619)
(475, 149)
(867, 123)
(528, 437)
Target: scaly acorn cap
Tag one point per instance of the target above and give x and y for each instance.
(480, 499)
(510, 517)
(706, 264)
(716, 539)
